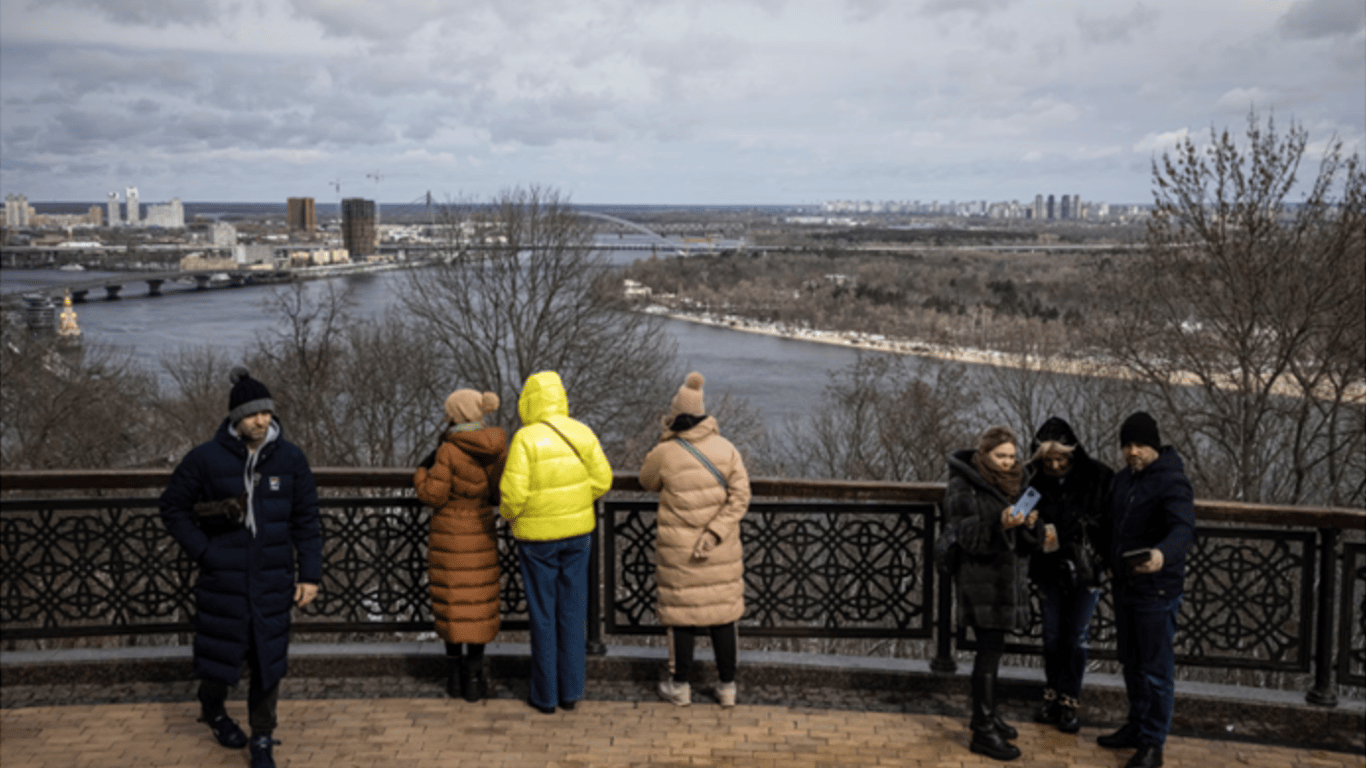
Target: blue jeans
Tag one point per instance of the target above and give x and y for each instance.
(555, 575)
(1066, 637)
(1145, 628)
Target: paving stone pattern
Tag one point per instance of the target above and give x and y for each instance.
(432, 730)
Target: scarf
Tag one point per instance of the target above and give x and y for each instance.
(1007, 481)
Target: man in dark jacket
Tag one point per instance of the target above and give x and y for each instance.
(243, 506)
(1151, 530)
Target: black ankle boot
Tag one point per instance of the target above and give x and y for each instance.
(1067, 715)
(473, 684)
(987, 738)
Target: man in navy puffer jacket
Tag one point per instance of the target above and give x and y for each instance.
(243, 506)
(1151, 530)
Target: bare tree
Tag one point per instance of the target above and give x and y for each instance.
(521, 291)
(1243, 317)
(74, 407)
(880, 420)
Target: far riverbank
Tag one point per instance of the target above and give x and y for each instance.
(1073, 366)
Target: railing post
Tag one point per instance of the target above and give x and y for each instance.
(943, 660)
(1324, 692)
(596, 646)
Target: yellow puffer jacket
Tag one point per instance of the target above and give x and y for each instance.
(548, 490)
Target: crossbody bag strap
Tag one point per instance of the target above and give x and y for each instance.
(716, 473)
(566, 440)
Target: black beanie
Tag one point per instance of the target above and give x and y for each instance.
(248, 396)
(1140, 428)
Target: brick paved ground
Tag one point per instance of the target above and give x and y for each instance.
(415, 732)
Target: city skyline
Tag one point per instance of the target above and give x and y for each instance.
(764, 102)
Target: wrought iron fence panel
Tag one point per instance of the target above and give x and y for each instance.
(107, 566)
(815, 570)
(1248, 602)
(71, 568)
(1352, 616)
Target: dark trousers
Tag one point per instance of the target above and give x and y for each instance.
(555, 576)
(724, 642)
(991, 645)
(473, 651)
(1066, 637)
(1145, 628)
(261, 705)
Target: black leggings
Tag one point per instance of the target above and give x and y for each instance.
(991, 645)
(473, 651)
(724, 642)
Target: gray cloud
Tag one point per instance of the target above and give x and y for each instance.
(1118, 28)
(1316, 19)
(978, 7)
(150, 13)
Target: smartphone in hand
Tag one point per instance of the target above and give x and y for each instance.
(1026, 503)
(1136, 557)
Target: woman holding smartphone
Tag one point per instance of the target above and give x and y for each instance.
(993, 594)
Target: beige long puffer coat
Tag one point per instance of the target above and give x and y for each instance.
(698, 593)
(462, 552)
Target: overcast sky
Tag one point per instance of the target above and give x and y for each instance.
(652, 101)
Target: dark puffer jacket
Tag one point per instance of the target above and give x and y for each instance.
(246, 583)
(993, 591)
(1075, 504)
(1154, 508)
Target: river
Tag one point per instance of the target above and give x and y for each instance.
(780, 377)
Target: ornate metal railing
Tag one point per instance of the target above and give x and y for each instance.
(1268, 588)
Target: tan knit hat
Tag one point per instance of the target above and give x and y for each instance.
(466, 405)
(689, 398)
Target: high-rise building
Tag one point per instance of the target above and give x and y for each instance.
(1052, 211)
(302, 216)
(134, 208)
(18, 213)
(170, 216)
(115, 216)
(359, 233)
(1065, 207)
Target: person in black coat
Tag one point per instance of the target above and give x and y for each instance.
(243, 506)
(1074, 497)
(993, 592)
(1150, 531)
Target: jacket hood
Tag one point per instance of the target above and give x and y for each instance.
(485, 444)
(960, 463)
(542, 397)
(1057, 429)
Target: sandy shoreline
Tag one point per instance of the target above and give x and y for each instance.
(967, 355)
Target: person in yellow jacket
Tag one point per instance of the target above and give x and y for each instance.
(555, 471)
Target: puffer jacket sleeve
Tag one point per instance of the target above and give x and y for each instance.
(726, 524)
(980, 532)
(515, 485)
(433, 485)
(177, 505)
(305, 526)
(599, 470)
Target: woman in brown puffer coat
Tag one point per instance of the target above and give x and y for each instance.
(703, 492)
(461, 485)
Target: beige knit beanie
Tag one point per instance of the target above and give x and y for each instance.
(466, 405)
(689, 398)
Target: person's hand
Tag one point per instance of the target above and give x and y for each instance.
(1009, 520)
(705, 544)
(1033, 518)
(304, 593)
(1154, 564)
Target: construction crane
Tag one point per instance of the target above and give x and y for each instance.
(375, 176)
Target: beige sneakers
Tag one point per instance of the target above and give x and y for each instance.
(725, 693)
(679, 694)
